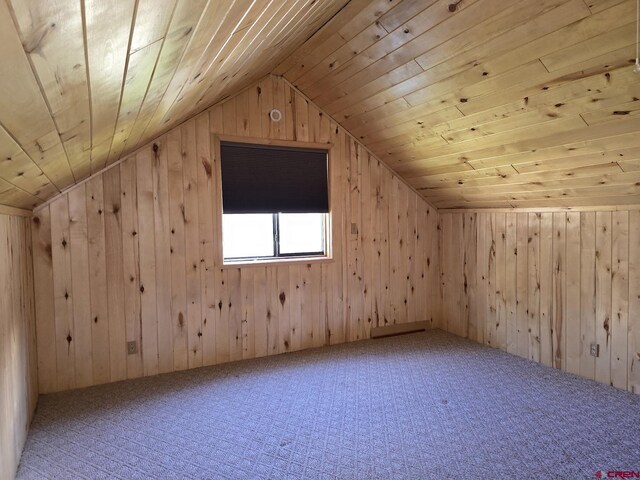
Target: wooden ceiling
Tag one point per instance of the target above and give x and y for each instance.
(84, 82)
(486, 103)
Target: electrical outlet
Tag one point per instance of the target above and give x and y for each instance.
(132, 347)
(594, 350)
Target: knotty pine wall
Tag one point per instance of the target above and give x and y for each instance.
(545, 286)
(129, 255)
(18, 379)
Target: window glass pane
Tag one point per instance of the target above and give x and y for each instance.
(301, 233)
(247, 235)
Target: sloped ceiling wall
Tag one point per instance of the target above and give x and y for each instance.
(86, 81)
(486, 103)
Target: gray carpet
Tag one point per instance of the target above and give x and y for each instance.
(419, 406)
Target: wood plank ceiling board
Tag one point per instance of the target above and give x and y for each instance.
(90, 81)
(482, 104)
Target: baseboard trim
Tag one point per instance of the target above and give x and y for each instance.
(400, 329)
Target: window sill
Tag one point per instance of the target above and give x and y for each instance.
(275, 262)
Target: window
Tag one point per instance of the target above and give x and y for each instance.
(265, 235)
(275, 202)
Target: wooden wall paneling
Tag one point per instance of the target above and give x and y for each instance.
(161, 205)
(490, 324)
(481, 276)
(469, 237)
(619, 328)
(248, 316)
(162, 241)
(588, 292)
(62, 290)
(368, 245)
(131, 264)
(235, 313)
(558, 323)
(272, 312)
(178, 309)
(115, 274)
(305, 322)
(81, 294)
(192, 242)
(522, 283)
(573, 339)
(316, 305)
(44, 300)
(574, 281)
(511, 275)
(295, 307)
(501, 280)
(98, 280)
(220, 330)
(336, 333)
(406, 231)
(444, 231)
(146, 254)
(603, 296)
(284, 309)
(533, 268)
(18, 362)
(355, 228)
(418, 260)
(206, 203)
(633, 359)
(260, 310)
(546, 283)
(382, 231)
(456, 275)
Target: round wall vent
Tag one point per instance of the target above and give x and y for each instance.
(275, 115)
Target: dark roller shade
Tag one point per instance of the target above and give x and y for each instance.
(266, 179)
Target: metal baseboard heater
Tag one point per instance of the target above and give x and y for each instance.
(400, 329)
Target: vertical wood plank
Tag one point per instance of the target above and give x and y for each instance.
(511, 275)
(44, 300)
(573, 302)
(619, 298)
(546, 281)
(62, 290)
(162, 239)
(146, 254)
(79, 245)
(115, 274)
(522, 284)
(633, 361)
(558, 291)
(131, 264)
(603, 296)
(587, 292)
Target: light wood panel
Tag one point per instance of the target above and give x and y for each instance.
(90, 81)
(18, 364)
(575, 281)
(486, 104)
(130, 255)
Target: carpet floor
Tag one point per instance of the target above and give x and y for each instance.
(420, 406)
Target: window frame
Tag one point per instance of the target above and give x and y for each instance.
(284, 259)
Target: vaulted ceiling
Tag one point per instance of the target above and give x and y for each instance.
(486, 103)
(84, 82)
(476, 103)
